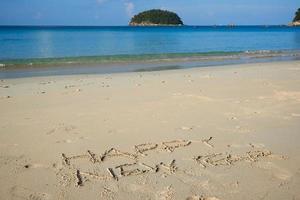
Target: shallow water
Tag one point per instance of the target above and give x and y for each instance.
(138, 66)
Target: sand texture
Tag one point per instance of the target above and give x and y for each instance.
(216, 133)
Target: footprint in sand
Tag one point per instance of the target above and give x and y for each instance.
(241, 129)
(108, 193)
(69, 141)
(65, 141)
(69, 86)
(14, 164)
(18, 192)
(62, 127)
(233, 118)
(257, 145)
(166, 194)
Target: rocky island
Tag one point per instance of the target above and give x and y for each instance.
(156, 17)
(296, 21)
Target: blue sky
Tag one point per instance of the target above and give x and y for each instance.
(119, 12)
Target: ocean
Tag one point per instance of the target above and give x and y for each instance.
(39, 46)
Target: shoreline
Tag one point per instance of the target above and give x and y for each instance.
(211, 132)
(139, 63)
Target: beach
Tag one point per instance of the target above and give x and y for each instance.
(209, 133)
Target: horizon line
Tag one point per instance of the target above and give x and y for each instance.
(185, 25)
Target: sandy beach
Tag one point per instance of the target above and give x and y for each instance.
(211, 133)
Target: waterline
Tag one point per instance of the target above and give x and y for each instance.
(136, 63)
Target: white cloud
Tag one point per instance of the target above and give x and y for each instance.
(129, 7)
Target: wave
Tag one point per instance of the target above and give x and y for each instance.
(167, 57)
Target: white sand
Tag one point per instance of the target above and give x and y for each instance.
(213, 133)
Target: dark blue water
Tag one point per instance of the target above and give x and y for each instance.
(53, 42)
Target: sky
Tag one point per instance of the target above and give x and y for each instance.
(119, 12)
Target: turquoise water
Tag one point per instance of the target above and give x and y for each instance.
(53, 42)
(140, 48)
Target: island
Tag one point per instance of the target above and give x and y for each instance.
(156, 17)
(296, 21)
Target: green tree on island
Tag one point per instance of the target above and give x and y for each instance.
(297, 15)
(156, 17)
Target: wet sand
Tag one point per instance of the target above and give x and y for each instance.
(210, 133)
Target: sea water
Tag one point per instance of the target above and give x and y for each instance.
(27, 46)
